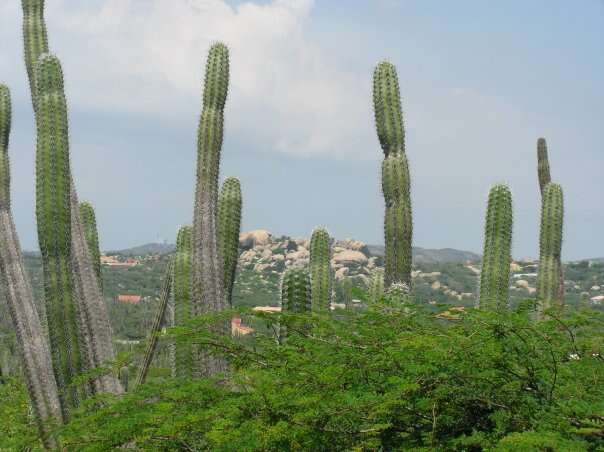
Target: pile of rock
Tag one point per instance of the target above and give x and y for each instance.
(263, 252)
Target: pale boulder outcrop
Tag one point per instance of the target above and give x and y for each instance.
(248, 240)
(350, 257)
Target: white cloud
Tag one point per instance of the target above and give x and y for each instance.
(147, 57)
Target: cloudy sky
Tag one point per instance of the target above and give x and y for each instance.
(480, 81)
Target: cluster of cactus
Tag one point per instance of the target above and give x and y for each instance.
(79, 332)
(398, 222)
(497, 254)
(320, 270)
(208, 271)
(200, 277)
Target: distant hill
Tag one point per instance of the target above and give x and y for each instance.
(420, 255)
(147, 248)
(432, 256)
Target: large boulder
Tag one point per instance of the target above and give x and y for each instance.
(350, 257)
(259, 237)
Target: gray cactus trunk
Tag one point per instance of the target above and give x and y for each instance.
(94, 326)
(31, 339)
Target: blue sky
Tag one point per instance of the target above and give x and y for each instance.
(480, 81)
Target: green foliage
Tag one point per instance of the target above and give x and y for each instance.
(320, 270)
(18, 430)
(550, 245)
(181, 289)
(497, 255)
(229, 227)
(53, 214)
(92, 236)
(375, 380)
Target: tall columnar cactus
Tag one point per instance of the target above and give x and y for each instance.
(88, 218)
(543, 171)
(53, 212)
(320, 270)
(550, 246)
(295, 294)
(376, 286)
(208, 289)
(398, 222)
(35, 354)
(497, 254)
(181, 289)
(35, 39)
(229, 226)
(95, 335)
(543, 164)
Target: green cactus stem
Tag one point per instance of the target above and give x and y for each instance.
(181, 289)
(387, 109)
(208, 288)
(550, 246)
(543, 164)
(31, 339)
(53, 213)
(398, 223)
(497, 254)
(158, 323)
(88, 218)
(96, 346)
(376, 286)
(35, 39)
(320, 270)
(229, 227)
(295, 295)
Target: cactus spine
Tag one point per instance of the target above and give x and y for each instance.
(208, 289)
(398, 223)
(53, 212)
(295, 294)
(497, 254)
(229, 224)
(320, 270)
(376, 286)
(35, 354)
(543, 164)
(181, 289)
(550, 246)
(88, 218)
